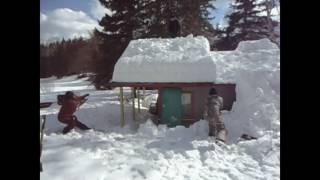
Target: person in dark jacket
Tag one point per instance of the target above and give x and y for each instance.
(69, 104)
(212, 112)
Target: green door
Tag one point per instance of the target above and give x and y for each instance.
(171, 106)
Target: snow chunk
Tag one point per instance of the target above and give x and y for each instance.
(253, 46)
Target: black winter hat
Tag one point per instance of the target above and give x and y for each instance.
(213, 91)
(69, 94)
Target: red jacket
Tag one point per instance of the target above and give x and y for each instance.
(68, 108)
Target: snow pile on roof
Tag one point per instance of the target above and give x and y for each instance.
(182, 59)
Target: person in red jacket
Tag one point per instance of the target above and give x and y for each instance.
(69, 104)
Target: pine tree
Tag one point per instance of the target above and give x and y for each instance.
(246, 23)
(267, 6)
(196, 17)
(136, 19)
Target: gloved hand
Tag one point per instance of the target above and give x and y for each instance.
(84, 96)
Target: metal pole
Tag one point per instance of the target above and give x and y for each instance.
(133, 109)
(122, 107)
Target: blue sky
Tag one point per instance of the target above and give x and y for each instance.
(77, 5)
(72, 18)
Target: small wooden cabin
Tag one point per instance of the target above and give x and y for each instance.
(183, 103)
(181, 69)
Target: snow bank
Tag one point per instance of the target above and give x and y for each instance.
(259, 55)
(255, 68)
(257, 109)
(156, 153)
(182, 59)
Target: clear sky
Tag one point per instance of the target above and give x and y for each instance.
(71, 18)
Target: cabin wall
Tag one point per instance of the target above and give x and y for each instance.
(199, 95)
(227, 92)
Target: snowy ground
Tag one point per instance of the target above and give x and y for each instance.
(150, 152)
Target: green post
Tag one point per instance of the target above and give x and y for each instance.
(122, 107)
(133, 108)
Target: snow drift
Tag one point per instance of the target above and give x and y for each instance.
(255, 68)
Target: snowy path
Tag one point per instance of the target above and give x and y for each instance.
(152, 153)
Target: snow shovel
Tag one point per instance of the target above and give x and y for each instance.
(83, 100)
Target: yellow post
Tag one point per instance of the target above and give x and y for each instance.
(144, 91)
(138, 94)
(133, 109)
(122, 107)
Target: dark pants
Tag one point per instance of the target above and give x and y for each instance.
(74, 123)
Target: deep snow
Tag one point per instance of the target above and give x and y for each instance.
(255, 68)
(151, 152)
